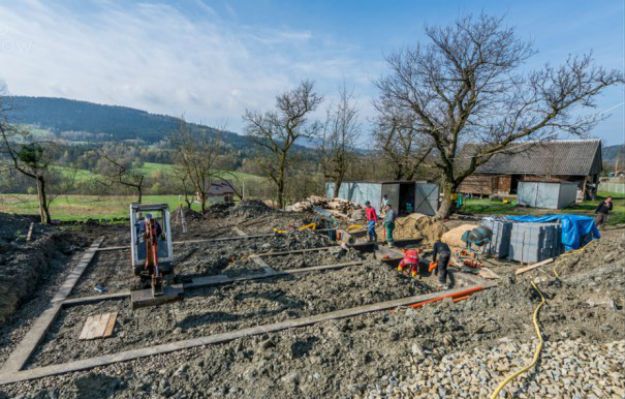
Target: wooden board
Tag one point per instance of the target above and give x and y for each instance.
(27, 345)
(238, 231)
(261, 263)
(207, 281)
(99, 326)
(104, 360)
(521, 270)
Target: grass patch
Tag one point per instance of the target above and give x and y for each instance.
(493, 207)
(82, 207)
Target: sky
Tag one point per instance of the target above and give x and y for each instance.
(212, 60)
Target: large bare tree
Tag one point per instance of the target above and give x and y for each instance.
(402, 146)
(196, 156)
(121, 171)
(339, 135)
(277, 131)
(467, 86)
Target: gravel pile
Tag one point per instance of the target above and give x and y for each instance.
(567, 369)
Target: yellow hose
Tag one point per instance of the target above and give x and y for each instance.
(539, 348)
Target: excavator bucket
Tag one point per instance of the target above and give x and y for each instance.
(148, 297)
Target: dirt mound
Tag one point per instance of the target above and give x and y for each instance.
(594, 254)
(453, 237)
(251, 208)
(416, 226)
(23, 265)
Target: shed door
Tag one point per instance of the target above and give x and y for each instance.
(426, 198)
(392, 190)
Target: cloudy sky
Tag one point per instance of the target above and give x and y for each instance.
(210, 60)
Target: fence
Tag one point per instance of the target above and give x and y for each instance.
(612, 187)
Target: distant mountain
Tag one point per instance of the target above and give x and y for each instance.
(81, 120)
(613, 153)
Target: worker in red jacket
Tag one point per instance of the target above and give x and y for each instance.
(372, 219)
(411, 259)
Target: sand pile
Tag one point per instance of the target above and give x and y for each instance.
(453, 237)
(416, 226)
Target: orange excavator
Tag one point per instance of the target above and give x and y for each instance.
(152, 255)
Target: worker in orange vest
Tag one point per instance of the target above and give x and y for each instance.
(411, 259)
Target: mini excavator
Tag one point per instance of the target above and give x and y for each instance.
(152, 256)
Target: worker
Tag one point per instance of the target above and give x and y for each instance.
(411, 259)
(602, 211)
(443, 253)
(385, 200)
(389, 224)
(372, 219)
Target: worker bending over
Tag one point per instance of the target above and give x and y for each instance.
(411, 259)
(372, 219)
(443, 253)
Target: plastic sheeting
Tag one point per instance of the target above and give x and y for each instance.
(576, 230)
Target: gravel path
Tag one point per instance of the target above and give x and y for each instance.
(566, 369)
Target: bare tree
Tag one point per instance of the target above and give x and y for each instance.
(196, 156)
(466, 86)
(401, 145)
(277, 131)
(28, 157)
(340, 131)
(119, 171)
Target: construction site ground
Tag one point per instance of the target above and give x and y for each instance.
(442, 350)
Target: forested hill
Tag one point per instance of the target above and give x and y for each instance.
(72, 118)
(613, 153)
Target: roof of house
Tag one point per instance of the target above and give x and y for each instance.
(550, 158)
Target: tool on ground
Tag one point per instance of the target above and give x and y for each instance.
(432, 266)
(152, 255)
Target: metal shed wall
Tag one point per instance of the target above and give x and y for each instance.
(546, 195)
(568, 195)
(426, 198)
(358, 192)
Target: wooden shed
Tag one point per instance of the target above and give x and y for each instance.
(576, 161)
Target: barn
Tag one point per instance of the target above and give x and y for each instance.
(566, 161)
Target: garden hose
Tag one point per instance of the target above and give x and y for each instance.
(539, 347)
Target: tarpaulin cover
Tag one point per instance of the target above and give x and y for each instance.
(575, 228)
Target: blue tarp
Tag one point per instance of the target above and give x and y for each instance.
(576, 229)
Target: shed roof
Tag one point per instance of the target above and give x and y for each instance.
(554, 158)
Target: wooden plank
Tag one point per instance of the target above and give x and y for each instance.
(104, 360)
(534, 266)
(71, 280)
(198, 241)
(239, 232)
(29, 236)
(298, 251)
(98, 326)
(108, 330)
(208, 281)
(96, 298)
(213, 280)
(261, 263)
(27, 345)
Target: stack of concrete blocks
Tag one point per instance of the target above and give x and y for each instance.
(534, 242)
(500, 242)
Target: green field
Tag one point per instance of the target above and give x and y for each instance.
(82, 207)
(153, 171)
(494, 207)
